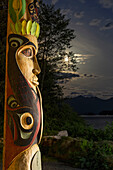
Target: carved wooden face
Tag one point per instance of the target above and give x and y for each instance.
(27, 62)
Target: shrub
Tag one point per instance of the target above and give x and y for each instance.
(96, 157)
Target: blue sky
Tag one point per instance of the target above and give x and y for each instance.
(92, 21)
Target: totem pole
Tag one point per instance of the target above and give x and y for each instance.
(23, 117)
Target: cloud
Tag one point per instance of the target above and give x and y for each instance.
(84, 91)
(86, 85)
(107, 26)
(68, 75)
(106, 3)
(79, 14)
(78, 91)
(65, 77)
(90, 76)
(95, 22)
(82, 1)
(75, 93)
(54, 2)
(82, 58)
(79, 23)
(66, 11)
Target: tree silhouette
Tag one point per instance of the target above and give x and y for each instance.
(55, 38)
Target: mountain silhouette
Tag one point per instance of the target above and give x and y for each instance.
(90, 105)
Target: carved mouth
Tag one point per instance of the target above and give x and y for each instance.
(35, 81)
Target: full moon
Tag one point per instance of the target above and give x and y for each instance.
(66, 59)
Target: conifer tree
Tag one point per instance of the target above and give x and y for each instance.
(55, 38)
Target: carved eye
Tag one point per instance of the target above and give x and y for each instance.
(27, 121)
(14, 44)
(31, 7)
(12, 103)
(27, 52)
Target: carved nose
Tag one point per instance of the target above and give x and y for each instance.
(35, 71)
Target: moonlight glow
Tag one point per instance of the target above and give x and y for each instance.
(66, 58)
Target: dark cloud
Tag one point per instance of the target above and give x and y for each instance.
(85, 94)
(79, 23)
(79, 14)
(89, 76)
(66, 12)
(68, 75)
(63, 81)
(54, 1)
(107, 26)
(65, 77)
(106, 3)
(75, 93)
(95, 22)
(82, 1)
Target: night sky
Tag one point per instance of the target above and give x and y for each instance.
(92, 21)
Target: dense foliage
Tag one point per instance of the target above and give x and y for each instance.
(79, 152)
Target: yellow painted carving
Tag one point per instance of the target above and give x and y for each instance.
(37, 30)
(24, 27)
(29, 26)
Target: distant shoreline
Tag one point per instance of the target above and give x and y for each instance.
(98, 116)
(98, 121)
(91, 105)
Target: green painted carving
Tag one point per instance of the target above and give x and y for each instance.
(25, 135)
(12, 11)
(18, 27)
(33, 29)
(23, 9)
(12, 27)
(29, 25)
(16, 11)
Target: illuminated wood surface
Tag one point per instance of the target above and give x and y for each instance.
(23, 117)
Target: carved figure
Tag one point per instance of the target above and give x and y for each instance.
(23, 122)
